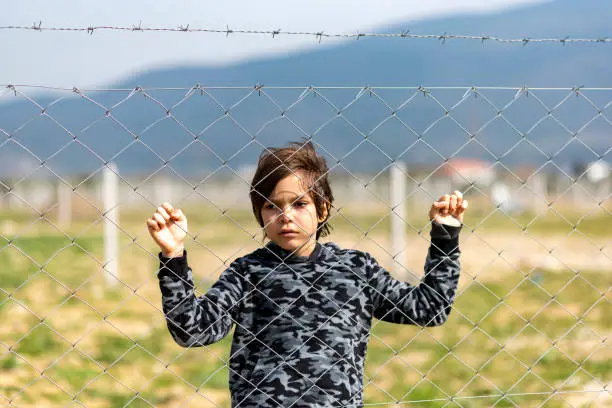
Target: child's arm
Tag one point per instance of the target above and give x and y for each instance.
(196, 321)
(429, 303)
(191, 321)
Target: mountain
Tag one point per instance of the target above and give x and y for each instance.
(373, 127)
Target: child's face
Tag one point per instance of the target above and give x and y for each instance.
(290, 216)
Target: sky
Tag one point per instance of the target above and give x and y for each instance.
(77, 59)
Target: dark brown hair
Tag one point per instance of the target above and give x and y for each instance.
(276, 163)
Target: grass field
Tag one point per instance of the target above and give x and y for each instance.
(531, 324)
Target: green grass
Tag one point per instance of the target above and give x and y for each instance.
(503, 347)
(207, 371)
(206, 376)
(77, 376)
(112, 348)
(23, 257)
(547, 322)
(561, 222)
(9, 362)
(40, 341)
(116, 399)
(600, 369)
(122, 350)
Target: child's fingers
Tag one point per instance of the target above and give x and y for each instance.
(160, 220)
(461, 208)
(436, 208)
(162, 211)
(168, 207)
(446, 199)
(152, 224)
(443, 201)
(452, 203)
(177, 215)
(459, 197)
(439, 207)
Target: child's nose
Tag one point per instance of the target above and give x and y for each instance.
(285, 215)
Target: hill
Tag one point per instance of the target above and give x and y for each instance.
(367, 62)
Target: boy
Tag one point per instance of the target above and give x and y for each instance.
(302, 309)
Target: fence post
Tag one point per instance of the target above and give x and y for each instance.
(110, 188)
(539, 193)
(397, 192)
(64, 198)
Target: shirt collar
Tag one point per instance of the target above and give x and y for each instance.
(283, 255)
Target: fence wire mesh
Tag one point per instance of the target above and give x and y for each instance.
(82, 170)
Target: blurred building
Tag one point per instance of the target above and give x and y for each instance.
(465, 171)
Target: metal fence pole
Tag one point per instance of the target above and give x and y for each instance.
(397, 192)
(110, 188)
(64, 198)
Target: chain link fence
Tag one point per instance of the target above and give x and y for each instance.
(81, 170)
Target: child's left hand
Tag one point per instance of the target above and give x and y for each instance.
(449, 209)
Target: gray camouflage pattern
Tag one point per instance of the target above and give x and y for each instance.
(302, 324)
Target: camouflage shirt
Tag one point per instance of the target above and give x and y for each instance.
(302, 323)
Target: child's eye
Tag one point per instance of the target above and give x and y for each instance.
(269, 206)
(301, 204)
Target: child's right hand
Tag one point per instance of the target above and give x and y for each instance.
(168, 227)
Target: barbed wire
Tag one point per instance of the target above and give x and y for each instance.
(318, 35)
(311, 88)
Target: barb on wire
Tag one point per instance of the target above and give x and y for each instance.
(319, 35)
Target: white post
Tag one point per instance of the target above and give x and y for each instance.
(64, 198)
(110, 190)
(539, 193)
(604, 190)
(397, 192)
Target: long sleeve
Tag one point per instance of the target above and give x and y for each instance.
(200, 321)
(429, 303)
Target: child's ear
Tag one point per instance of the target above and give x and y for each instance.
(324, 213)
